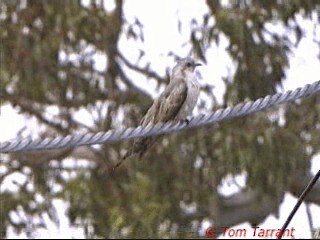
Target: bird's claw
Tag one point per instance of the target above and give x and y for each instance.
(186, 120)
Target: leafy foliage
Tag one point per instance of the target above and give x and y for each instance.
(48, 49)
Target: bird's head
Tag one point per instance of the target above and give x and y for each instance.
(184, 67)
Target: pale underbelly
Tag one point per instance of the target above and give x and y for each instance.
(190, 103)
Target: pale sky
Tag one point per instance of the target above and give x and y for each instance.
(161, 36)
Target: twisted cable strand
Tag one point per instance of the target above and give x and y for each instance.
(129, 133)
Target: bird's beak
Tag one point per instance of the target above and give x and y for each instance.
(197, 64)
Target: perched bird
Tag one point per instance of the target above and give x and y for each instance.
(175, 103)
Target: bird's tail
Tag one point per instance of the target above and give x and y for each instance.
(138, 149)
(127, 155)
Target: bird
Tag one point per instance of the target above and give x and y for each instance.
(175, 103)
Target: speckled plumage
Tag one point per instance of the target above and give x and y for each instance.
(175, 103)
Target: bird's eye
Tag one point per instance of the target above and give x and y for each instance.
(189, 64)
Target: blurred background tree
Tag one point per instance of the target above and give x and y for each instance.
(49, 73)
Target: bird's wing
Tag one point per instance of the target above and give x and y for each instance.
(168, 105)
(164, 109)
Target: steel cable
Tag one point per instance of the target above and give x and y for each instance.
(241, 109)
